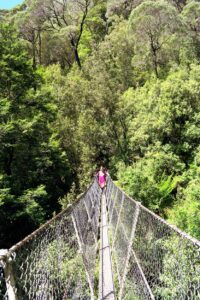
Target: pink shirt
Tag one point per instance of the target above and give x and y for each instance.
(101, 179)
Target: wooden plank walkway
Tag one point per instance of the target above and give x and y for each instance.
(106, 291)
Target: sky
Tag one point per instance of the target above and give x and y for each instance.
(7, 4)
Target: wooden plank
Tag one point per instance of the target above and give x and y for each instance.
(106, 275)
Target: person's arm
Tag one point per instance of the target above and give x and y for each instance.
(107, 174)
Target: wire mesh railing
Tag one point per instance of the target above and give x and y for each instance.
(58, 260)
(152, 259)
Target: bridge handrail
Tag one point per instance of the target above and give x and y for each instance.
(146, 251)
(173, 227)
(25, 265)
(152, 258)
(66, 211)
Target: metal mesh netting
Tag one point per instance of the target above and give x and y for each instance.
(58, 261)
(152, 259)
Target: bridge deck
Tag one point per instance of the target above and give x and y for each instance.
(106, 278)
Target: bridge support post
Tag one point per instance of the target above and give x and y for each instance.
(6, 264)
(135, 220)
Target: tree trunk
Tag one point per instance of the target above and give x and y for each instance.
(34, 51)
(8, 162)
(76, 55)
(154, 49)
(155, 61)
(77, 58)
(155, 65)
(40, 47)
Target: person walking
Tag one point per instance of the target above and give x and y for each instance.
(102, 174)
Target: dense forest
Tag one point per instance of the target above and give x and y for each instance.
(91, 82)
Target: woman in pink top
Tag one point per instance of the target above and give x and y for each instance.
(102, 178)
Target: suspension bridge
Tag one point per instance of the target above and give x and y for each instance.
(104, 246)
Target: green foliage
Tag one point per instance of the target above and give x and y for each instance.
(132, 104)
(16, 71)
(171, 274)
(69, 198)
(165, 141)
(186, 211)
(65, 267)
(147, 180)
(159, 23)
(33, 167)
(31, 200)
(70, 269)
(190, 16)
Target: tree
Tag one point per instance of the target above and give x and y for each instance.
(179, 4)
(121, 7)
(68, 15)
(154, 25)
(30, 22)
(190, 15)
(34, 171)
